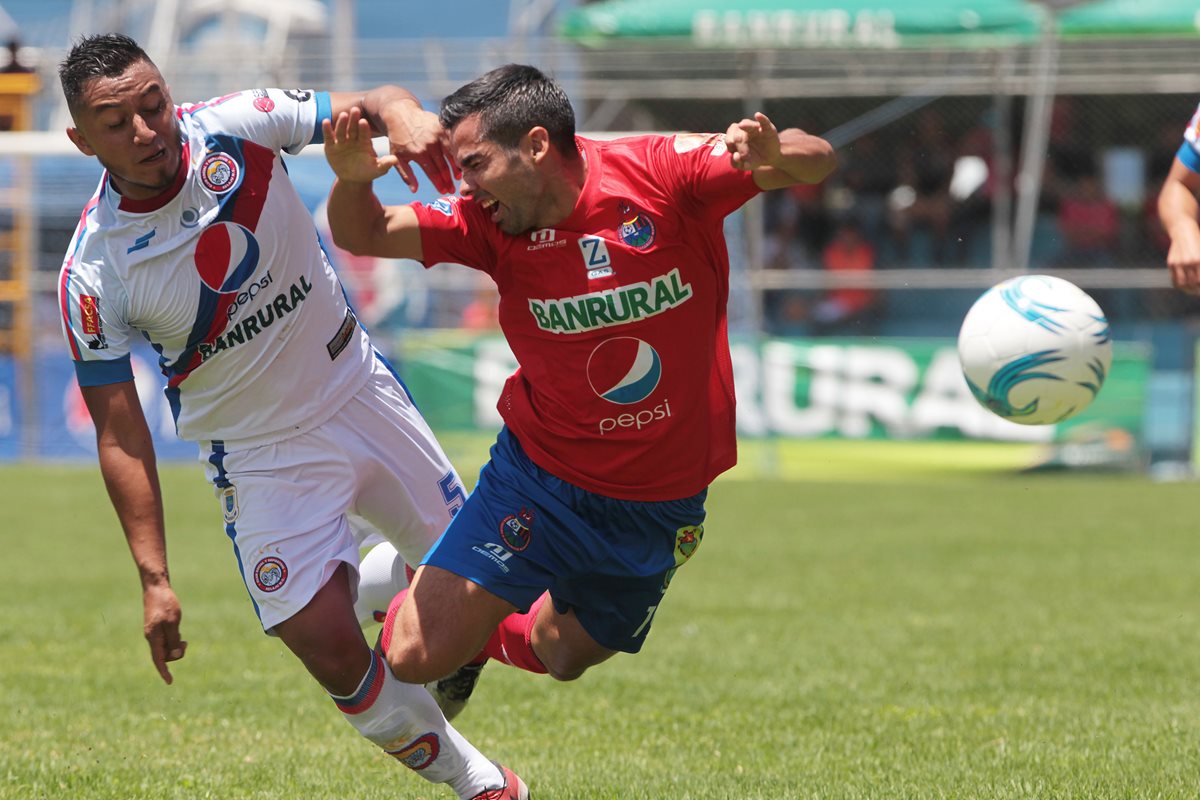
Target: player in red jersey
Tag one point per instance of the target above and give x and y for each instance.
(613, 277)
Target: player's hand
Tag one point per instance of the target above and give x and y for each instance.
(417, 136)
(349, 150)
(753, 143)
(161, 626)
(1183, 259)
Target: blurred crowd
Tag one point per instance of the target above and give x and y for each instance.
(919, 194)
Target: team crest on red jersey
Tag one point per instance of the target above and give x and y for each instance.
(636, 229)
(219, 173)
(517, 529)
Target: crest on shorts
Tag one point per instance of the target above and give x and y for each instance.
(687, 539)
(229, 504)
(517, 529)
(219, 173)
(420, 753)
(270, 574)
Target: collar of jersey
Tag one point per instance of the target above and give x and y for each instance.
(590, 153)
(164, 197)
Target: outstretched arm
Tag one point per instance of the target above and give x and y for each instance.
(1178, 209)
(778, 158)
(359, 222)
(130, 473)
(414, 134)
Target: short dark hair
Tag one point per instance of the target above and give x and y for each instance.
(509, 101)
(103, 55)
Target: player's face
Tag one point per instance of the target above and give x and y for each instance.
(503, 181)
(128, 123)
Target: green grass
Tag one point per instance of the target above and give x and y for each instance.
(901, 623)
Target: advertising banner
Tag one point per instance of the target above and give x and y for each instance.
(851, 388)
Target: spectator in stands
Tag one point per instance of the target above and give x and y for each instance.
(869, 174)
(844, 307)
(922, 201)
(1090, 224)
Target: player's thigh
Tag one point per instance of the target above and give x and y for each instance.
(406, 487)
(283, 508)
(639, 547)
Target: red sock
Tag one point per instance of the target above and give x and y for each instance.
(385, 637)
(510, 643)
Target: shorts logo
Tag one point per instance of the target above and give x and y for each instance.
(419, 754)
(624, 370)
(262, 101)
(229, 504)
(219, 173)
(517, 529)
(270, 574)
(687, 539)
(636, 229)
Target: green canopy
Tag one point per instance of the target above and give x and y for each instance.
(1120, 18)
(805, 23)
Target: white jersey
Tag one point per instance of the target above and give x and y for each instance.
(1189, 151)
(224, 274)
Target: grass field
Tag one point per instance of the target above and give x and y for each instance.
(887, 622)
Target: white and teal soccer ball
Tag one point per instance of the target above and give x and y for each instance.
(1035, 349)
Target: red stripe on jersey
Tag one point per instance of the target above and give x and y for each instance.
(259, 163)
(65, 304)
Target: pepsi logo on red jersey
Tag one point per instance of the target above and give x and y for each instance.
(624, 370)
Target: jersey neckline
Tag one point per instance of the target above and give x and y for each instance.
(162, 198)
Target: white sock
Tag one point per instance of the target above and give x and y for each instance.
(381, 576)
(404, 720)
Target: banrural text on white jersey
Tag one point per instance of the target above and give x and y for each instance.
(224, 275)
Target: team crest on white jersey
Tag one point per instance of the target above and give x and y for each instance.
(219, 173)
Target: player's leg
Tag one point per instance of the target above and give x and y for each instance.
(382, 573)
(442, 623)
(401, 718)
(408, 490)
(298, 559)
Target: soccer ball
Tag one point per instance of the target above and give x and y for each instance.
(1035, 349)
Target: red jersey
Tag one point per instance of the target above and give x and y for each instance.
(616, 316)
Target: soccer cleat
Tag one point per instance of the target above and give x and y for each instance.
(453, 691)
(513, 789)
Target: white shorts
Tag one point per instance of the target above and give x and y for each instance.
(286, 504)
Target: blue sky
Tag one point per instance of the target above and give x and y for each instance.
(46, 22)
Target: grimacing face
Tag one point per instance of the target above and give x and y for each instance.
(504, 182)
(128, 123)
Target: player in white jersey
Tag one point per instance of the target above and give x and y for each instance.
(1178, 208)
(197, 241)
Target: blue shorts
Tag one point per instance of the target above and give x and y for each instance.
(523, 531)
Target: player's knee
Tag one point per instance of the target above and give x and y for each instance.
(564, 666)
(412, 662)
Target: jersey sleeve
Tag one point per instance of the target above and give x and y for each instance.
(1189, 151)
(281, 119)
(697, 167)
(455, 232)
(93, 323)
